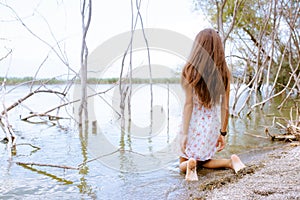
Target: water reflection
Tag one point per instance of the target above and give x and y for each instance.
(52, 176)
(84, 187)
(124, 159)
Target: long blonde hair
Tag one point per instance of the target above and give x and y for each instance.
(206, 70)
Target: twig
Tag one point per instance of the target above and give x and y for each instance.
(52, 47)
(50, 117)
(47, 165)
(121, 150)
(289, 94)
(48, 174)
(254, 135)
(33, 146)
(93, 159)
(295, 127)
(280, 125)
(7, 54)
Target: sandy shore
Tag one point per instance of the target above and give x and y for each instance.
(274, 175)
(271, 174)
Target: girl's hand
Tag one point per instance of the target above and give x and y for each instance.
(220, 143)
(183, 143)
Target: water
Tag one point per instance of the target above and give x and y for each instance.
(131, 165)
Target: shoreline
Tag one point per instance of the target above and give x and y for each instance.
(270, 175)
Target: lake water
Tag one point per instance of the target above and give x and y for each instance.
(135, 160)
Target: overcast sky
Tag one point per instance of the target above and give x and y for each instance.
(60, 20)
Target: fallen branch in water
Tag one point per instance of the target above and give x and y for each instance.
(33, 146)
(292, 129)
(29, 95)
(293, 126)
(52, 176)
(93, 159)
(47, 165)
(50, 117)
(283, 137)
(280, 137)
(98, 157)
(254, 135)
(5, 125)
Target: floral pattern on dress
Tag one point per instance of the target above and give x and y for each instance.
(203, 132)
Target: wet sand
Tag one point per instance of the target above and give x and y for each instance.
(270, 174)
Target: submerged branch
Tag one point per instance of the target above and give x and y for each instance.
(48, 174)
(50, 117)
(33, 146)
(93, 159)
(254, 135)
(47, 165)
(102, 156)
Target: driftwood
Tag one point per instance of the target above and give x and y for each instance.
(292, 129)
(288, 137)
(283, 137)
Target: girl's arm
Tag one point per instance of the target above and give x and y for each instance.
(187, 113)
(224, 118)
(225, 109)
(188, 109)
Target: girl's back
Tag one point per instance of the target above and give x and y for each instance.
(203, 131)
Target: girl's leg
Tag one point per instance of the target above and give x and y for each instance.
(183, 164)
(233, 163)
(189, 167)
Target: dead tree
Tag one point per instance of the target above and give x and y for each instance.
(86, 15)
(125, 84)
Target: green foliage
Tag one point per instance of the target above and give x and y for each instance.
(251, 14)
(30, 80)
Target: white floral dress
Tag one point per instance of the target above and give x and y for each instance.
(203, 132)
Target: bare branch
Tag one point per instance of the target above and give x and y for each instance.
(27, 96)
(6, 55)
(47, 165)
(61, 58)
(280, 92)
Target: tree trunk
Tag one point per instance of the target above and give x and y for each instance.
(83, 111)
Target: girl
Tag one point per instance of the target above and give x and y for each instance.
(206, 82)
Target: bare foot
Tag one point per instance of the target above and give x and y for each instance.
(191, 170)
(237, 164)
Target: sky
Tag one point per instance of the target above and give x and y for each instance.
(48, 22)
